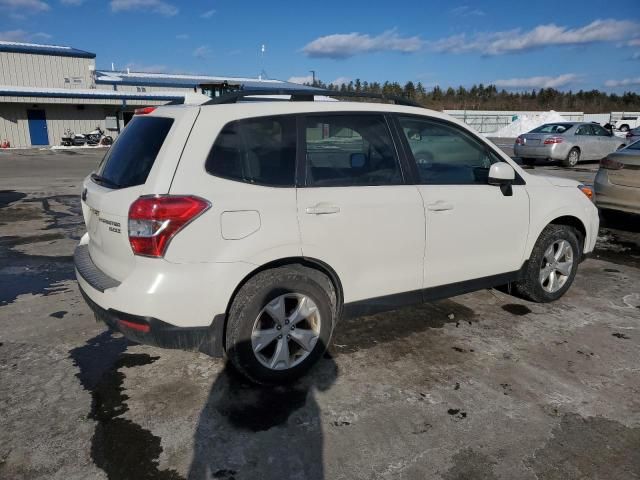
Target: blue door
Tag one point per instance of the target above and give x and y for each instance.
(38, 127)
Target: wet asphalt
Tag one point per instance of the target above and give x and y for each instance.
(480, 386)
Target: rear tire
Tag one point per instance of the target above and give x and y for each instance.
(624, 128)
(265, 307)
(554, 258)
(572, 159)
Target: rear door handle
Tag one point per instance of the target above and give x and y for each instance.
(440, 206)
(322, 209)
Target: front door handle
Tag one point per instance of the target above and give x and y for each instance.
(322, 209)
(440, 206)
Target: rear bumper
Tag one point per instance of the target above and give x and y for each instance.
(556, 151)
(144, 329)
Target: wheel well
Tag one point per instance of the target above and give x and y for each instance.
(304, 261)
(574, 223)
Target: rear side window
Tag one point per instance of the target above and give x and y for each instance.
(350, 150)
(258, 150)
(552, 128)
(129, 161)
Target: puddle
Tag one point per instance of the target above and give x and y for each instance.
(7, 197)
(516, 309)
(120, 447)
(21, 273)
(592, 447)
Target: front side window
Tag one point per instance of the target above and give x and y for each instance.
(445, 154)
(350, 150)
(257, 150)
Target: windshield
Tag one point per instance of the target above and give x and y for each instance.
(552, 128)
(129, 161)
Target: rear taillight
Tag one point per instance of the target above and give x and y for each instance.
(144, 110)
(519, 140)
(611, 164)
(552, 140)
(153, 221)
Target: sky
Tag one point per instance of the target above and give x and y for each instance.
(516, 45)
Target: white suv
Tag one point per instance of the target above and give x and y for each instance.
(250, 228)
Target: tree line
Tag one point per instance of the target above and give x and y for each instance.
(488, 97)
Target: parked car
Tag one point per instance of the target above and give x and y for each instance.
(567, 142)
(617, 184)
(633, 136)
(627, 123)
(249, 229)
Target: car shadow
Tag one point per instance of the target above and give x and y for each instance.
(628, 222)
(251, 431)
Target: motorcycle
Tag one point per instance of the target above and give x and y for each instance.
(71, 139)
(96, 137)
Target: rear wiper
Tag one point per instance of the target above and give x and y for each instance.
(104, 181)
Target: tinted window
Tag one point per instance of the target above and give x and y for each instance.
(348, 150)
(129, 161)
(446, 155)
(552, 128)
(257, 150)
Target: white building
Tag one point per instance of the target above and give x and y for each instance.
(47, 89)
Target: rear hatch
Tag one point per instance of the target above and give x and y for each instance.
(142, 161)
(629, 174)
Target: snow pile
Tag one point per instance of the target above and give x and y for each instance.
(526, 123)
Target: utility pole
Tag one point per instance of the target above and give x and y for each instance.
(313, 75)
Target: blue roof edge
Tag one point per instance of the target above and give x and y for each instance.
(51, 51)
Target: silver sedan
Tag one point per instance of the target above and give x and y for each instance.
(568, 142)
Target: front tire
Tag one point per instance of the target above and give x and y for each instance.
(529, 161)
(552, 265)
(572, 158)
(280, 323)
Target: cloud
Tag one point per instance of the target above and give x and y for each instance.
(511, 41)
(466, 11)
(72, 2)
(208, 13)
(203, 51)
(625, 82)
(633, 43)
(155, 6)
(537, 82)
(137, 67)
(182, 36)
(23, 36)
(345, 45)
(301, 80)
(341, 80)
(23, 7)
(635, 56)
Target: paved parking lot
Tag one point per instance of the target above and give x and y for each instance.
(481, 386)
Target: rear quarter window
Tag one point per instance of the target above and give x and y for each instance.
(129, 161)
(257, 150)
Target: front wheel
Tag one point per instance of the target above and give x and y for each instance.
(572, 158)
(552, 265)
(280, 323)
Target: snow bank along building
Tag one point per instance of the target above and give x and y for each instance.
(46, 89)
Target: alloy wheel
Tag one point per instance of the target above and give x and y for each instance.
(556, 266)
(286, 331)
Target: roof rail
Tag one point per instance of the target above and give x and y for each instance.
(305, 95)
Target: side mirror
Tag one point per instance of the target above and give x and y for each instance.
(502, 175)
(358, 160)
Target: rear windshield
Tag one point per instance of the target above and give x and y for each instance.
(634, 146)
(129, 161)
(552, 128)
